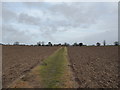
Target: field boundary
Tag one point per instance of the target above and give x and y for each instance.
(73, 73)
(76, 79)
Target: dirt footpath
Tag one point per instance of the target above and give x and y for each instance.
(95, 67)
(18, 60)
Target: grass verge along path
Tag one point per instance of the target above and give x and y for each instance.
(54, 72)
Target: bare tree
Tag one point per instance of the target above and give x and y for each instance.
(49, 44)
(42, 43)
(116, 43)
(75, 44)
(39, 43)
(16, 43)
(66, 44)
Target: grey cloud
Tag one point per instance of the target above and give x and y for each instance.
(42, 21)
(62, 17)
(83, 13)
(0, 22)
(47, 27)
(74, 13)
(47, 32)
(26, 19)
(119, 21)
(109, 36)
(8, 15)
(0, 10)
(10, 35)
(34, 4)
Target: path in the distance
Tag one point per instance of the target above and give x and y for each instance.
(54, 72)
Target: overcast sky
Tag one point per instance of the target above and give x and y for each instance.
(60, 22)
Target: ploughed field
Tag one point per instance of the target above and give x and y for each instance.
(95, 67)
(92, 67)
(18, 60)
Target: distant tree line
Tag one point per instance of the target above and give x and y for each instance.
(42, 43)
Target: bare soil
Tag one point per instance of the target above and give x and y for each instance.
(53, 72)
(95, 67)
(18, 60)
